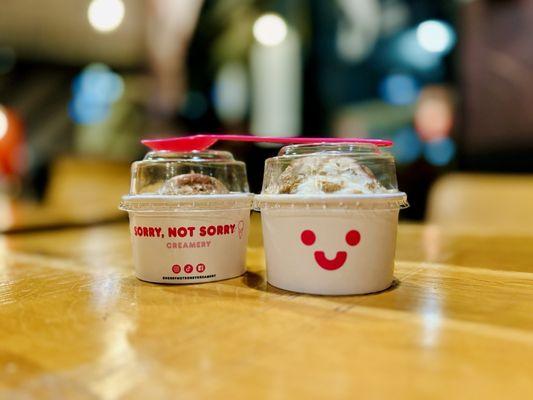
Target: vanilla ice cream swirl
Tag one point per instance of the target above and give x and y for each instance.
(326, 175)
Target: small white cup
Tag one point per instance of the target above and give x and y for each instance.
(190, 240)
(189, 216)
(330, 245)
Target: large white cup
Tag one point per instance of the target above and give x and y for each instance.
(330, 245)
(190, 240)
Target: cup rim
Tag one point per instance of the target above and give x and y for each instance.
(169, 203)
(394, 200)
(292, 198)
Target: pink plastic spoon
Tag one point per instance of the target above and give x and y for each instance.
(202, 142)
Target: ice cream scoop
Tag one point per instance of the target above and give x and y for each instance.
(189, 184)
(324, 175)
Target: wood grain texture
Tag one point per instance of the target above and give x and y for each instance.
(76, 323)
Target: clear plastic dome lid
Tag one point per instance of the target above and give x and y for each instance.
(330, 169)
(168, 173)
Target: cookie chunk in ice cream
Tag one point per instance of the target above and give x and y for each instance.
(326, 175)
(190, 184)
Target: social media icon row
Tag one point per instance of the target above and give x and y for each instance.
(188, 268)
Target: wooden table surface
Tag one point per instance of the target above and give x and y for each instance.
(75, 323)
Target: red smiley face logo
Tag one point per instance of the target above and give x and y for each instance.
(308, 238)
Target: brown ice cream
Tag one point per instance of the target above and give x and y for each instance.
(190, 184)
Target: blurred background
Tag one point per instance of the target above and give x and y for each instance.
(81, 81)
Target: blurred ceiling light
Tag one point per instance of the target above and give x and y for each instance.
(412, 54)
(358, 31)
(439, 152)
(98, 83)
(407, 147)
(105, 15)
(3, 123)
(94, 91)
(231, 93)
(435, 36)
(399, 89)
(270, 29)
(86, 113)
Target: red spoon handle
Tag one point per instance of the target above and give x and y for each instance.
(202, 142)
(297, 140)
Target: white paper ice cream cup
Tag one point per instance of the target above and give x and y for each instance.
(330, 244)
(188, 239)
